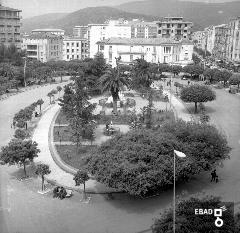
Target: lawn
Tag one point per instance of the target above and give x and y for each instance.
(75, 158)
(61, 118)
(62, 132)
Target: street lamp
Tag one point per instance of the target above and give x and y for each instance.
(180, 155)
(24, 71)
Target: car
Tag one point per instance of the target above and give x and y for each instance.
(185, 77)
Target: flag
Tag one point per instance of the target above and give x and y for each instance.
(179, 154)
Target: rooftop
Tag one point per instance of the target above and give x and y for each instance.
(142, 41)
(48, 30)
(4, 8)
(42, 36)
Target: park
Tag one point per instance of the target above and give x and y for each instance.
(114, 142)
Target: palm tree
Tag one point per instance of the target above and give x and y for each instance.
(113, 81)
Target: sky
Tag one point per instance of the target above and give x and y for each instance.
(38, 7)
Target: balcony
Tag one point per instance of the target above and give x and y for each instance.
(130, 52)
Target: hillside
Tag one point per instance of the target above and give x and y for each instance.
(81, 17)
(202, 14)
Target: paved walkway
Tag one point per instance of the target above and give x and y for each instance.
(58, 175)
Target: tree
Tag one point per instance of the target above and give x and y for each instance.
(141, 161)
(235, 80)
(40, 102)
(42, 170)
(188, 222)
(80, 178)
(143, 75)
(210, 73)
(197, 94)
(193, 70)
(176, 70)
(19, 152)
(113, 81)
(59, 89)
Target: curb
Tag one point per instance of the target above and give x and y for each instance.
(65, 167)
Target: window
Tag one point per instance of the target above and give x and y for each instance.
(131, 58)
(77, 44)
(72, 44)
(159, 31)
(77, 56)
(67, 50)
(67, 44)
(110, 57)
(167, 49)
(168, 25)
(72, 56)
(101, 47)
(72, 50)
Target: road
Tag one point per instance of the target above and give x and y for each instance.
(25, 211)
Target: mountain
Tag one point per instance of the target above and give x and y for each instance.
(202, 14)
(81, 17)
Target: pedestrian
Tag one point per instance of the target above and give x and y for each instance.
(216, 179)
(188, 82)
(214, 175)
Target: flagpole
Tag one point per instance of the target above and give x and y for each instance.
(174, 192)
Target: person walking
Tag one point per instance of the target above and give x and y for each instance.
(214, 175)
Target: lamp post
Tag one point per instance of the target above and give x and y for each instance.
(180, 155)
(24, 71)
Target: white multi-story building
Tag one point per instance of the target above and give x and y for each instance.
(74, 48)
(80, 32)
(200, 38)
(58, 32)
(174, 27)
(155, 50)
(98, 32)
(233, 41)
(43, 47)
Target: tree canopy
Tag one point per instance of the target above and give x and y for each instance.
(141, 161)
(197, 94)
(19, 152)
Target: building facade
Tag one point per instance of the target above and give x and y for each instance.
(80, 32)
(199, 39)
(233, 40)
(155, 50)
(98, 32)
(10, 26)
(220, 43)
(58, 32)
(174, 27)
(74, 48)
(43, 47)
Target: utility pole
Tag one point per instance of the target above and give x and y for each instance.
(24, 71)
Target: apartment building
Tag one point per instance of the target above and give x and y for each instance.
(155, 50)
(80, 32)
(10, 26)
(174, 27)
(199, 39)
(74, 48)
(98, 32)
(233, 40)
(141, 29)
(43, 46)
(58, 32)
(220, 42)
